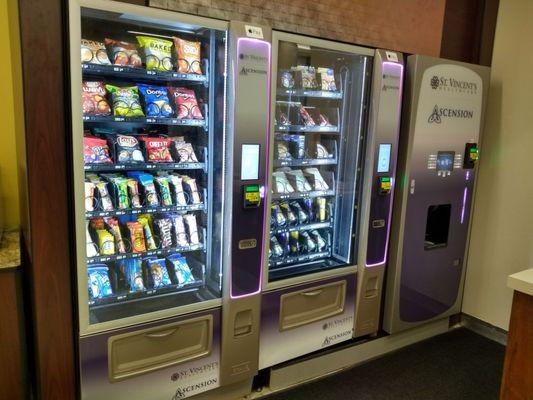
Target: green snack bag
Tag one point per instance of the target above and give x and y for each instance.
(126, 101)
(157, 53)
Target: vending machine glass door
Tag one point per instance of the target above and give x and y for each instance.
(320, 100)
(148, 104)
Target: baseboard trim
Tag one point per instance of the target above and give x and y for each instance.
(484, 329)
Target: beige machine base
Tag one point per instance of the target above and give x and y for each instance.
(293, 374)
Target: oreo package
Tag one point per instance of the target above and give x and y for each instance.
(128, 149)
(157, 103)
(98, 282)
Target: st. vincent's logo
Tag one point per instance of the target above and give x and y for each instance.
(435, 116)
(435, 81)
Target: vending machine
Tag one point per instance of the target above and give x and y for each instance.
(333, 135)
(169, 168)
(440, 140)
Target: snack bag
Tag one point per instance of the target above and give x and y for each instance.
(176, 190)
(318, 181)
(147, 183)
(158, 149)
(95, 151)
(136, 234)
(281, 183)
(122, 200)
(106, 242)
(164, 190)
(164, 229)
(93, 52)
(185, 103)
(124, 53)
(282, 150)
(132, 270)
(188, 54)
(158, 271)
(93, 98)
(323, 120)
(298, 180)
(181, 269)
(157, 53)
(133, 191)
(126, 101)
(192, 228)
(306, 117)
(128, 150)
(98, 281)
(327, 79)
(156, 101)
(146, 221)
(90, 247)
(103, 194)
(89, 196)
(185, 150)
(178, 228)
(192, 189)
(114, 228)
(322, 151)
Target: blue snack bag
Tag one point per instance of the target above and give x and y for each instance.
(156, 101)
(98, 283)
(182, 271)
(132, 270)
(158, 272)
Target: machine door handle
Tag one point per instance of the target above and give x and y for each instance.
(314, 293)
(161, 334)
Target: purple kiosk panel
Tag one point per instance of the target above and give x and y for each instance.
(438, 155)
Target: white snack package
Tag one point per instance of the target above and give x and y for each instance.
(297, 178)
(322, 152)
(176, 190)
(192, 227)
(92, 251)
(178, 230)
(318, 182)
(184, 149)
(281, 183)
(190, 184)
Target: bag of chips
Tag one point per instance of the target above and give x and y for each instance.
(184, 149)
(327, 79)
(189, 184)
(93, 52)
(147, 183)
(176, 189)
(192, 228)
(163, 187)
(188, 54)
(178, 231)
(124, 53)
(158, 272)
(164, 230)
(89, 196)
(185, 103)
(158, 149)
(128, 150)
(95, 151)
(181, 269)
(93, 99)
(114, 228)
(157, 53)
(156, 101)
(106, 242)
(103, 194)
(98, 281)
(126, 101)
(146, 221)
(90, 247)
(133, 192)
(136, 234)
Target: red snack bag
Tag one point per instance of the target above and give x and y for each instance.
(95, 151)
(93, 99)
(157, 149)
(185, 103)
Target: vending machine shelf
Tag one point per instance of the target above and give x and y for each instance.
(300, 228)
(146, 210)
(145, 120)
(287, 261)
(325, 94)
(126, 72)
(157, 252)
(144, 166)
(167, 290)
(305, 162)
(303, 195)
(307, 128)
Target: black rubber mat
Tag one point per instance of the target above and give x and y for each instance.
(456, 365)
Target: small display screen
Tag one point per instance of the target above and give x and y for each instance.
(384, 157)
(249, 162)
(445, 160)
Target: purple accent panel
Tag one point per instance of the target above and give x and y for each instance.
(380, 206)
(160, 384)
(430, 279)
(252, 117)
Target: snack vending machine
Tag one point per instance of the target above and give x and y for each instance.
(444, 110)
(332, 163)
(154, 195)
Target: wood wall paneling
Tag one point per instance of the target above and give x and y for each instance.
(44, 62)
(412, 26)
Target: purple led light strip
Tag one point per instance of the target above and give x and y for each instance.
(390, 64)
(267, 154)
(464, 205)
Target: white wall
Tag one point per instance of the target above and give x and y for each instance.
(502, 232)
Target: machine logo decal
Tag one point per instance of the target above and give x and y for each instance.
(435, 116)
(333, 338)
(438, 113)
(185, 391)
(452, 84)
(434, 82)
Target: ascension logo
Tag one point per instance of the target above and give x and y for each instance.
(438, 114)
(246, 71)
(333, 338)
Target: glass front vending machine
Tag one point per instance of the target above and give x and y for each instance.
(334, 130)
(165, 163)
